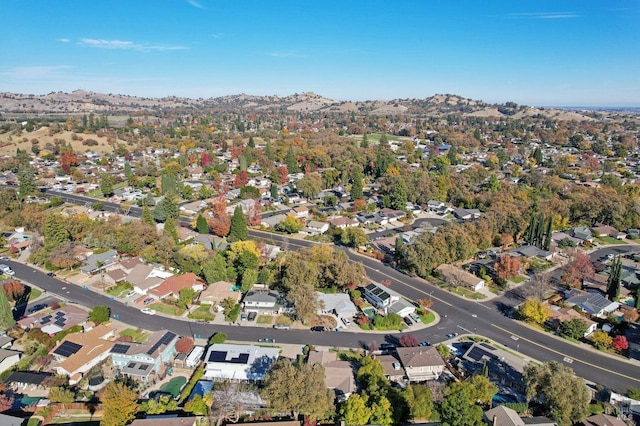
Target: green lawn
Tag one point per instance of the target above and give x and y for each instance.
(120, 289)
(264, 319)
(283, 319)
(467, 293)
(609, 240)
(428, 318)
(202, 313)
(136, 335)
(538, 264)
(33, 422)
(35, 293)
(518, 279)
(167, 309)
(173, 386)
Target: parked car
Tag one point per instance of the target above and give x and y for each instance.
(4, 258)
(424, 344)
(131, 293)
(148, 311)
(243, 316)
(415, 318)
(10, 272)
(346, 321)
(318, 328)
(281, 326)
(51, 274)
(38, 307)
(251, 316)
(387, 346)
(148, 300)
(407, 321)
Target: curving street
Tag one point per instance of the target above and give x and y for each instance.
(489, 319)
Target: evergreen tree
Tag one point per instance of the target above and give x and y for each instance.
(168, 184)
(171, 207)
(251, 143)
(106, 185)
(127, 170)
(614, 280)
(170, 228)
(291, 161)
(6, 314)
(147, 217)
(268, 152)
(26, 181)
(399, 195)
(365, 141)
(201, 225)
(537, 155)
(239, 231)
(547, 235)
(243, 163)
(274, 191)
(383, 140)
(356, 186)
(399, 247)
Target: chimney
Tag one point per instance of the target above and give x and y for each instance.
(495, 420)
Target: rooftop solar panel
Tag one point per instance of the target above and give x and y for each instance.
(60, 323)
(59, 314)
(120, 349)
(66, 349)
(221, 356)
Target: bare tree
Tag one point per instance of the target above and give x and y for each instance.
(230, 401)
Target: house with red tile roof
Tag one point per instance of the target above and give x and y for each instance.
(172, 285)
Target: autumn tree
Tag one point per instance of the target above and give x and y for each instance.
(298, 389)
(578, 269)
(310, 185)
(220, 222)
(408, 340)
(119, 403)
(354, 411)
(290, 224)
(61, 394)
(184, 345)
(534, 310)
(67, 160)
(564, 396)
(601, 339)
(507, 266)
(13, 289)
(620, 343)
(6, 401)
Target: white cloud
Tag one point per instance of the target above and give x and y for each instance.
(545, 15)
(64, 40)
(127, 45)
(216, 35)
(285, 55)
(194, 3)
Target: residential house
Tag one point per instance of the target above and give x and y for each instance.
(238, 362)
(8, 359)
(338, 375)
(195, 172)
(300, 212)
(459, 277)
(314, 228)
(265, 302)
(7, 420)
(147, 360)
(342, 222)
(380, 296)
(52, 322)
(582, 233)
(193, 208)
(502, 416)
(591, 303)
(338, 304)
(393, 370)
(532, 251)
(633, 338)
(272, 221)
(19, 240)
(466, 214)
(421, 363)
(502, 367)
(558, 236)
(77, 353)
(171, 286)
(402, 307)
(216, 292)
(145, 277)
(560, 315)
(392, 215)
(98, 262)
(608, 231)
(270, 252)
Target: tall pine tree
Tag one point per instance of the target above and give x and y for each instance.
(614, 280)
(201, 225)
(147, 217)
(239, 231)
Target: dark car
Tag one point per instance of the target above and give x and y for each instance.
(408, 321)
(318, 328)
(251, 316)
(51, 274)
(38, 307)
(387, 346)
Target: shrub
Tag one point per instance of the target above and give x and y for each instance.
(219, 337)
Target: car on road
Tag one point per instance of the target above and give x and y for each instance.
(4, 268)
(51, 274)
(38, 307)
(148, 311)
(452, 335)
(4, 258)
(148, 300)
(424, 344)
(318, 328)
(281, 326)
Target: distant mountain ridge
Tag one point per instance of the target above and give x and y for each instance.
(83, 102)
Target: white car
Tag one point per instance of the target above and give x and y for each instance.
(148, 311)
(10, 272)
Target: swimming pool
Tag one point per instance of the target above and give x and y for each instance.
(501, 398)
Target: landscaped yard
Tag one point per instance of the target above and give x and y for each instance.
(167, 309)
(173, 386)
(538, 264)
(609, 240)
(202, 313)
(428, 318)
(283, 319)
(120, 289)
(35, 293)
(467, 293)
(264, 319)
(518, 279)
(138, 336)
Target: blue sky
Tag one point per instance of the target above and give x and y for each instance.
(530, 52)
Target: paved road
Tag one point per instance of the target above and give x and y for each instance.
(458, 315)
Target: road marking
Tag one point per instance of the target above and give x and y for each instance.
(567, 360)
(565, 356)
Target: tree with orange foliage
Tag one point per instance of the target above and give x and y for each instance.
(184, 345)
(220, 223)
(67, 160)
(283, 173)
(578, 268)
(253, 215)
(359, 205)
(242, 178)
(507, 266)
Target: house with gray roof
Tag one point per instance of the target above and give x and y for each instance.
(272, 221)
(266, 302)
(98, 262)
(591, 303)
(338, 304)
